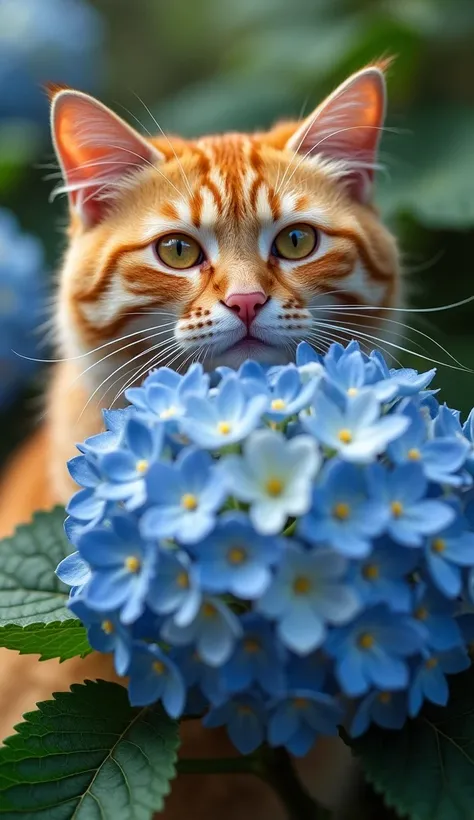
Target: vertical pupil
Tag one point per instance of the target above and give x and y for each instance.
(179, 246)
(294, 236)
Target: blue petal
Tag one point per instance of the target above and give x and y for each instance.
(73, 570)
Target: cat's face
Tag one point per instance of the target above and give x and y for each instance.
(224, 248)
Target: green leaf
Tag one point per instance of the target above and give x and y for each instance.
(430, 168)
(30, 592)
(426, 770)
(58, 639)
(88, 755)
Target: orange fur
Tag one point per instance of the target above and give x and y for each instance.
(230, 192)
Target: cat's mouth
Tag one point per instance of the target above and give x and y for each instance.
(249, 342)
(251, 348)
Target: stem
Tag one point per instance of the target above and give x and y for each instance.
(274, 767)
(248, 764)
(279, 773)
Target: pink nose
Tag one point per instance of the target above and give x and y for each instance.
(246, 305)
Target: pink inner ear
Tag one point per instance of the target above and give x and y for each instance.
(96, 149)
(347, 126)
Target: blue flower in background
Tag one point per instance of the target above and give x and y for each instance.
(357, 432)
(165, 392)
(341, 513)
(289, 394)
(386, 709)
(300, 717)
(245, 719)
(308, 671)
(73, 570)
(274, 476)
(257, 659)
(184, 498)
(307, 593)
(105, 632)
(22, 289)
(309, 363)
(124, 470)
(318, 570)
(351, 372)
(197, 673)
(115, 422)
(214, 631)
(429, 681)
(440, 458)
(176, 587)
(124, 568)
(154, 676)
(86, 505)
(435, 616)
(382, 578)
(446, 553)
(401, 494)
(234, 558)
(59, 39)
(371, 651)
(223, 419)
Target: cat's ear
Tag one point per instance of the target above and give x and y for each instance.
(347, 126)
(96, 150)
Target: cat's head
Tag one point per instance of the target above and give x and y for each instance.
(224, 247)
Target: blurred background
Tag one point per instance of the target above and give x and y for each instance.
(203, 65)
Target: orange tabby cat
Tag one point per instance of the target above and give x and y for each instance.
(219, 249)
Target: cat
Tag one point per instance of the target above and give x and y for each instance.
(216, 249)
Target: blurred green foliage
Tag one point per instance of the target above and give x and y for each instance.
(203, 65)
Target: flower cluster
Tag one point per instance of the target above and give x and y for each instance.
(60, 40)
(21, 298)
(279, 550)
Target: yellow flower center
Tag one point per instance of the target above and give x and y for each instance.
(341, 511)
(278, 404)
(421, 613)
(182, 580)
(345, 436)
(414, 454)
(370, 572)
(274, 486)
(301, 585)
(158, 667)
(252, 645)
(438, 545)
(243, 709)
(366, 641)
(189, 501)
(431, 663)
(352, 391)
(300, 703)
(169, 412)
(224, 428)
(108, 627)
(209, 610)
(141, 466)
(385, 697)
(132, 563)
(397, 508)
(237, 555)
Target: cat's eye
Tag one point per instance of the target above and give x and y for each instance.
(179, 251)
(295, 242)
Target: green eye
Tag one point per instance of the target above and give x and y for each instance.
(179, 251)
(295, 242)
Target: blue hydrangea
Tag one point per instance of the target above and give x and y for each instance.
(22, 290)
(279, 550)
(59, 39)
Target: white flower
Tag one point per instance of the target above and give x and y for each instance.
(359, 432)
(274, 476)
